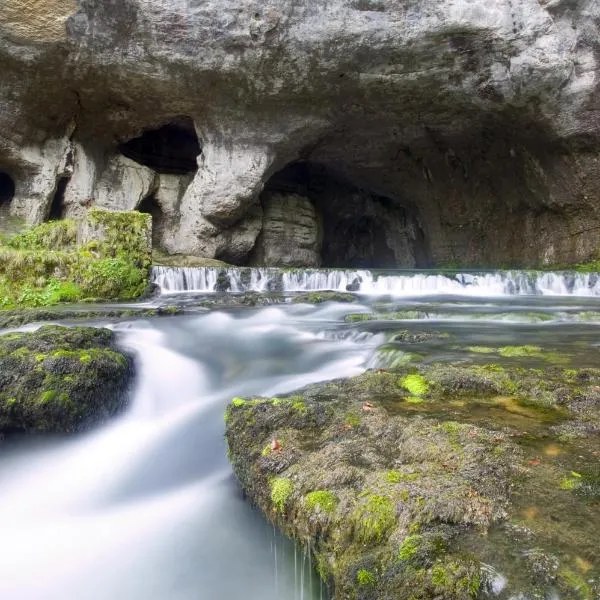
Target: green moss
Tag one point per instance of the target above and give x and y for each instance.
(520, 351)
(352, 419)
(414, 400)
(453, 579)
(409, 547)
(359, 317)
(52, 235)
(398, 477)
(440, 577)
(48, 396)
(415, 384)
(322, 499)
(373, 518)
(85, 358)
(365, 578)
(45, 265)
(266, 451)
(300, 406)
(237, 402)
(320, 297)
(481, 349)
(574, 582)
(281, 488)
(571, 481)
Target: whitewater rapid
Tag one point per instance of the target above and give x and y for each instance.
(497, 283)
(146, 508)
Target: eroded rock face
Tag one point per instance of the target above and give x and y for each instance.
(291, 232)
(481, 119)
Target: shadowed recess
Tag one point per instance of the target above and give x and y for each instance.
(172, 148)
(359, 228)
(150, 206)
(7, 188)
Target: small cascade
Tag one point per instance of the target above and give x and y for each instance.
(400, 283)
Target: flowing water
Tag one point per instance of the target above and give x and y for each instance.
(147, 507)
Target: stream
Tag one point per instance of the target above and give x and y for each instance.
(147, 508)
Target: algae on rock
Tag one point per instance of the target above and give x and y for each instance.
(60, 379)
(406, 500)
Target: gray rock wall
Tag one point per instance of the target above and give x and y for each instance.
(483, 117)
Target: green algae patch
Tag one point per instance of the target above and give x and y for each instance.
(520, 351)
(321, 500)
(281, 489)
(373, 518)
(365, 578)
(415, 384)
(60, 379)
(107, 256)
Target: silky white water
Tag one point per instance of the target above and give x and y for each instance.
(146, 507)
(497, 283)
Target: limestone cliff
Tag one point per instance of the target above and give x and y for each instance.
(446, 130)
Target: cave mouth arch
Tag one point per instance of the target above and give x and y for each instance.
(170, 149)
(7, 189)
(355, 227)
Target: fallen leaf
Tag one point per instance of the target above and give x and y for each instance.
(534, 462)
(530, 513)
(367, 406)
(276, 445)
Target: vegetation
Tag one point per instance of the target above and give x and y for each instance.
(320, 297)
(46, 265)
(393, 504)
(60, 379)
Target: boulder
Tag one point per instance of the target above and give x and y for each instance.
(61, 380)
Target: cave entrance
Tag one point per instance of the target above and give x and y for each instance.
(356, 228)
(57, 209)
(170, 149)
(151, 207)
(7, 189)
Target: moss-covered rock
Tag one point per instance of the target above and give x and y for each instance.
(60, 379)
(320, 297)
(106, 257)
(408, 484)
(23, 316)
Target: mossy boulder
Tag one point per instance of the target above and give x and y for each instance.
(320, 297)
(61, 379)
(106, 256)
(406, 484)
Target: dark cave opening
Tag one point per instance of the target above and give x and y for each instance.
(57, 208)
(357, 228)
(170, 149)
(150, 206)
(7, 189)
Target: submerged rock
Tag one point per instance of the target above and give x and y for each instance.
(407, 484)
(60, 379)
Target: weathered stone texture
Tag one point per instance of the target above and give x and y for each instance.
(483, 118)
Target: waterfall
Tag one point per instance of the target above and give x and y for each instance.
(400, 283)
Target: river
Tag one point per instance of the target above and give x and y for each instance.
(147, 507)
